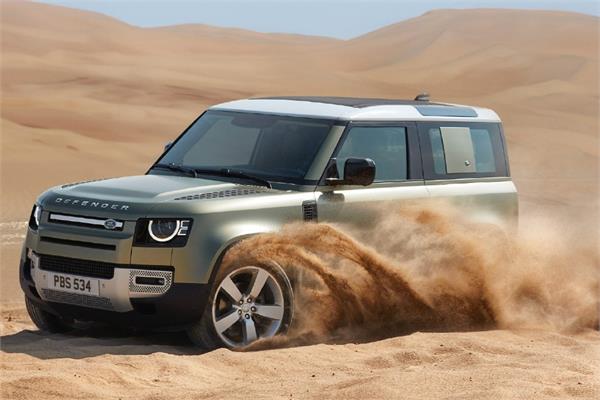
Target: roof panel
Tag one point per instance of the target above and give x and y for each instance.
(397, 111)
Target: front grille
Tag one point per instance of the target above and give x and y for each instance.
(96, 269)
(77, 299)
(87, 222)
(91, 245)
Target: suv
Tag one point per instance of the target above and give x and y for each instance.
(145, 251)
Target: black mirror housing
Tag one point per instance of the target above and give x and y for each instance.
(357, 171)
(168, 146)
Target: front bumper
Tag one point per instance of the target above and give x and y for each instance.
(121, 298)
(114, 293)
(181, 305)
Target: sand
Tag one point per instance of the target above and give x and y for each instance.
(477, 365)
(85, 96)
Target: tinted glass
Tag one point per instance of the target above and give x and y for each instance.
(385, 145)
(463, 150)
(446, 111)
(484, 152)
(437, 150)
(270, 146)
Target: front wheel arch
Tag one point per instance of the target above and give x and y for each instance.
(218, 260)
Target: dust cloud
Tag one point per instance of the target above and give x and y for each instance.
(429, 268)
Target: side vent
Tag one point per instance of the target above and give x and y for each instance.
(309, 211)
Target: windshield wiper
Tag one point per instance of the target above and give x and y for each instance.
(177, 168)
(234, 174)
(216, 171)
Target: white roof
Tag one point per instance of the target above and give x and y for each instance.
(403, 112)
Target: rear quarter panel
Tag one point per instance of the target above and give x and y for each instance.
(488, 200)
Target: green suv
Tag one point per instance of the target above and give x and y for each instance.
(145, 251)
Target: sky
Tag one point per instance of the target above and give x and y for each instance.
(336, 18)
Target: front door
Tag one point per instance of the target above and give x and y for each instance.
(394, 148)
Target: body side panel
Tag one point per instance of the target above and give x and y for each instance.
(221, 223)
(492, 200)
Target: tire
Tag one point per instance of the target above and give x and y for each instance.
(240, 310)
(44, 320)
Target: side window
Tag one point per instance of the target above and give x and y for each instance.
(385, 145)
(463, 151)
(484, 152)
(437, 150)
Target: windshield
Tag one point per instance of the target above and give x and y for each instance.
(272, 147)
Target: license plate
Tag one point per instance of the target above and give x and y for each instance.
(73, 284)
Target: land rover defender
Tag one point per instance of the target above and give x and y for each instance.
(146, 251)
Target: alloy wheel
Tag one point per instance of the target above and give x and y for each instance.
(248, 305)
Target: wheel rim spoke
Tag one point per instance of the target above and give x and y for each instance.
(259, 282)
(247, 306)
(249, 329)
(227, 321)
(231, 289)
(272, 312)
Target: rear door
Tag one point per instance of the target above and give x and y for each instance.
(394, 147)
(466, 163)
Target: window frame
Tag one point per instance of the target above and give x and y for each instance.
(413, 155)
(498, 146)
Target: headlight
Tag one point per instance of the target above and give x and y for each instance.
(36, 217)
(163, 230)
(166, 232)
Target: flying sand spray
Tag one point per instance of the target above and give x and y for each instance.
(425, 267)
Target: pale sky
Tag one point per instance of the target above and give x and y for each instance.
(337, 18)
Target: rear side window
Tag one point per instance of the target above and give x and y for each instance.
(455, 150)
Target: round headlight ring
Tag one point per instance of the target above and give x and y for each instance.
(167, 238)
(37, 215)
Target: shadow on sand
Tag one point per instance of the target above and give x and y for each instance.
(90, 343)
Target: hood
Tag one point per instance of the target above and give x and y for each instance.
(136, 195)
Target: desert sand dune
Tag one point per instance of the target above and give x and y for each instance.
(99, 78)
(86, 96)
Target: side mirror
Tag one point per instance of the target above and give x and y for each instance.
(357, 171)
(168, 146)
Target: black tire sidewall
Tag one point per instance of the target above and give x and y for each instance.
(43, 320)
